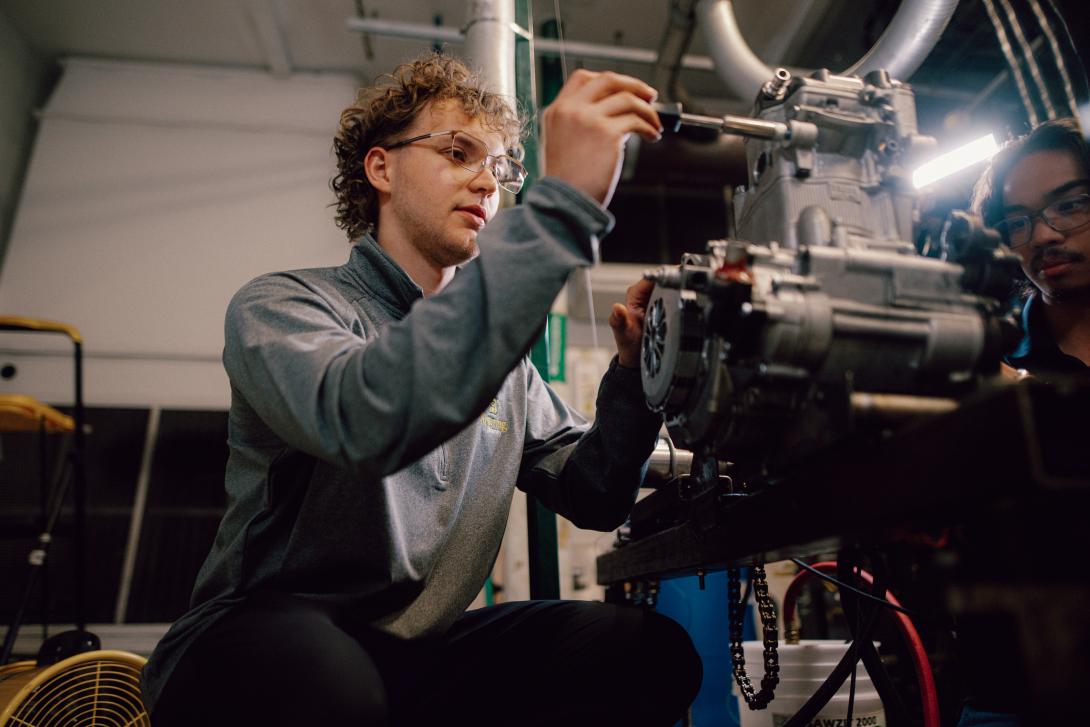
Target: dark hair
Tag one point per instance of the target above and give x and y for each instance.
(388, 107)
(1058, 135)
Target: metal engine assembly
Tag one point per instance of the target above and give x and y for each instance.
(817, 315)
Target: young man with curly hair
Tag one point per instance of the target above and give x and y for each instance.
(382, 413)
(1036, 193)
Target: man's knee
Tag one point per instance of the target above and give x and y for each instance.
(666, 655)
(648, 660)
(285, 694)
(275, 660)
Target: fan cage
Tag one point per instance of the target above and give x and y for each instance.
(96, 689)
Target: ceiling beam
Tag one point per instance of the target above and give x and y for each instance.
(546, 46)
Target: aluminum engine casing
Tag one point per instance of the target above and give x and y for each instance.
(754, 349)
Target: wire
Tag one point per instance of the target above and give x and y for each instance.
(590, 309)
(365, 38)
(560, 38)
(749, 587)
(1061, 65)
(836, 582)
(586, 271)
(835, 680)
(1084, 84)
(1008, 53)
(1031, 59)
(925, 678)
(851, 690)
(855, 649)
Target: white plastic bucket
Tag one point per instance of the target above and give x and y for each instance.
(803, 668)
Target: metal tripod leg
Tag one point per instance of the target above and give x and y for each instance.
(39, 554)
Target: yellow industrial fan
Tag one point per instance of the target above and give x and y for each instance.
(92, 689)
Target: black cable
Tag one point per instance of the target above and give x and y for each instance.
(851, 694)
(893, 702)
(895, 706)
(1012, 61)
(1057, 56)
(829, 687)
(58, 494)
(845, 586)
(749, 588)
(854, 609)
(855, 667)
(365, 39)
(836, 679)
(1029, 59)
(1073, 51)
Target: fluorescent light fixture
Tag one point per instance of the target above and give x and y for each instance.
(954, 161)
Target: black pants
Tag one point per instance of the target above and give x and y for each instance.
(284, 660)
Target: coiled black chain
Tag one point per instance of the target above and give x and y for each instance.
(767, 611)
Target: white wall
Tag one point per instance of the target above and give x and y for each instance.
(153, 193)
(22, 73)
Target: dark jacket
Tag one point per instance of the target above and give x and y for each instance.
(1038, 352)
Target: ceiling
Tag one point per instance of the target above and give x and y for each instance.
(310, 35)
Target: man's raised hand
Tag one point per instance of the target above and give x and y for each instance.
(584, 130)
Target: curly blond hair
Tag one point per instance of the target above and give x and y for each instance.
(386, 108)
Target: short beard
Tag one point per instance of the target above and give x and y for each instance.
(1068, 297)
(442, 252)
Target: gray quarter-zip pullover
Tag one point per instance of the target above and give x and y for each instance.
(376, 436)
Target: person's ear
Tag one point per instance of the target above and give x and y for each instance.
(376, 165)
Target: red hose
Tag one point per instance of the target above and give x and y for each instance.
(928, 694)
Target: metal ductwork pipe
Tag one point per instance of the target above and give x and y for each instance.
(736, 64)
(490, 44)
(675, 41)
(911, 35)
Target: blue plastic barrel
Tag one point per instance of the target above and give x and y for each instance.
(703, 613)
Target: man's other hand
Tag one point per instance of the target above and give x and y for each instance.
(1012, 375)
(627, 322)
(584, 130)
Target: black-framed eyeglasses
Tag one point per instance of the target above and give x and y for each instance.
(1063, 215)
(471, 154)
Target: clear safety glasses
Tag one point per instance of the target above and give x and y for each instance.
(471, 154)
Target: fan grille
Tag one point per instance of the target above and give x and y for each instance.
(96, 689)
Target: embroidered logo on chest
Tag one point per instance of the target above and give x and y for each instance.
(491, 417)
